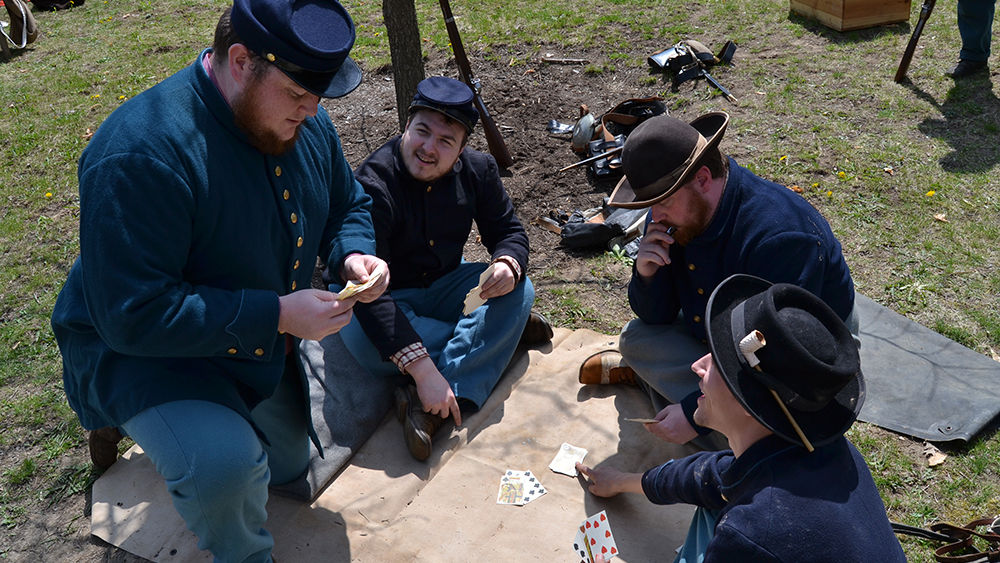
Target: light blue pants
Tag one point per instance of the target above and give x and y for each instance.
(700, 533)
(471, 352)
(217, 470)
(975, 25)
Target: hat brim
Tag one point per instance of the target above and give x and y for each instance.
(711, 126)
(821, 426)
(328, 84)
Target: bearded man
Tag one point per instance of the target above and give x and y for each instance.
(204, 204)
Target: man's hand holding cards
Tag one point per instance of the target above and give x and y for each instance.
(352, 288)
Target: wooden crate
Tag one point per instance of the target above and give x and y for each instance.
(845, 15)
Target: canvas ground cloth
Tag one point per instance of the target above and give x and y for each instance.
(385, 506)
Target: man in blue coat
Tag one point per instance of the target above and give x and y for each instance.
(783, 383)
(709, 218)
(204, 204)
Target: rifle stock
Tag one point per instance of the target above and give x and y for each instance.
(904, 64)
(493, 137)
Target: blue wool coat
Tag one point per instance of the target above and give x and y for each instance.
(760, 228)
(779, 502)
(188, 236)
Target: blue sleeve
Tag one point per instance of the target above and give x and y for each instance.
(691, 480)
(349, 225)
(656, 301)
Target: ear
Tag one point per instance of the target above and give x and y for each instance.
(703, 179)
(240, 62)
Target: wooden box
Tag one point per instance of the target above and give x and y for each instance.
(845, 15)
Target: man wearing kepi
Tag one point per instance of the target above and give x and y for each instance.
(204, 203)
(427, 189)
(709, 218)
(783, 383)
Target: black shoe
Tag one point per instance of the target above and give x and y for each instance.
(103, 444)
(418, 426)
(537, 330)
(967, 68)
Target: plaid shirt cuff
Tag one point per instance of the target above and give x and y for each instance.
(408, 355)
(514, 266)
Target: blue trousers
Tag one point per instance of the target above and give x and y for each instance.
(217, 470)
(975, 25)
(700, 533)
(471, 351)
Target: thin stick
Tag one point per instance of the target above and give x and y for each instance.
(788, 415)
(592, 159)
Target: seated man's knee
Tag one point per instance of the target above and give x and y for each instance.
(222, 474)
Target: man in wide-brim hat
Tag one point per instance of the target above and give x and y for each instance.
(205, 202)
(783, 383)
(708, 218)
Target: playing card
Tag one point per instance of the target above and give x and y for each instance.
(600, 540)
(353, 288)
(642, 420)
(580, 548)
(532, 487)
(472, 299)
(566, 458)
(519, 488)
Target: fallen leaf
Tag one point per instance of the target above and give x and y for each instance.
(795, 189)
(530, 71)
(888, 170)
(88, 134)
(934, 456)
(941, 217)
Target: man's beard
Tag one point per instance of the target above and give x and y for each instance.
(247, 113)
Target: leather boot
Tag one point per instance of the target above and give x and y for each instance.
(418, 426)
(103, 444)
(606, 367)
(537, 330)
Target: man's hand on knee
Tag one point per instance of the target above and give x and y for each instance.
(673, 426)
(435, 393)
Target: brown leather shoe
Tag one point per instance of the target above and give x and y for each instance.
(418, 426)
(103, 444)
(605, 367)
(537, 330)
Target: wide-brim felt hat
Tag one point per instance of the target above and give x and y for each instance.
(662, 154)
(309, 40)
(809, 359)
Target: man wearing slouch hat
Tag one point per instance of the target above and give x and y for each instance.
(204, 204)
(709, 218)
(783, 383)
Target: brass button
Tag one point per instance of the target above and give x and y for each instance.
(270, 57)
(298, 242)
(294, 285)
(231, 351)
(428, 189)
(431, 242)
(295, 219)
(295, 266)
(697, 319)
(258, 352)
(701, 291)
(285, 194)
(691, 267)
(277, 171)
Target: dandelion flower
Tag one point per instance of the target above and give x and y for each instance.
(829, 193)
(48, 194)
(841, 174)
(930, 193)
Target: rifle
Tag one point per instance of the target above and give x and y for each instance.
(904, 64)
(493, 137)
(613, 151)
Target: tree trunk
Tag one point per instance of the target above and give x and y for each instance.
(404, 48)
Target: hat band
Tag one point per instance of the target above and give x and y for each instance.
(656, 188)
(788, 396)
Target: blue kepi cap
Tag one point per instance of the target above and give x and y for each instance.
(309, 40)
(447, 96)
